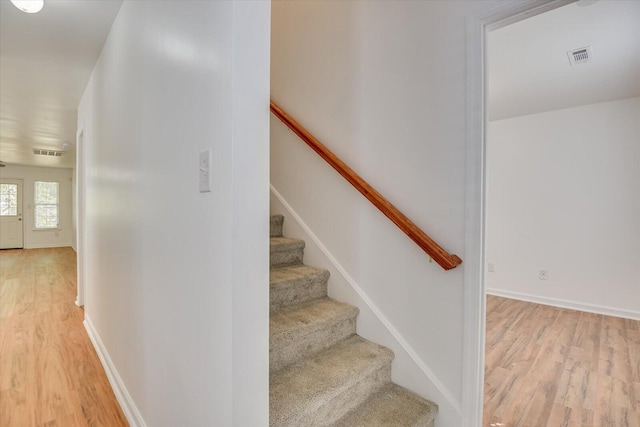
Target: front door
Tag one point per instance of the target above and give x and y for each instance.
(11, 214)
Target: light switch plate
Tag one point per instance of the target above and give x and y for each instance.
(204, 184)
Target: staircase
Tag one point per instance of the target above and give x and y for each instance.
(321, 372)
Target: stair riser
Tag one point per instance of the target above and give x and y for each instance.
(286, 257)
(298, 292)
(275, 229)
(289, 348)
(338, 406)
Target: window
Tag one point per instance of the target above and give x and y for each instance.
(46, 204)
(8, 199)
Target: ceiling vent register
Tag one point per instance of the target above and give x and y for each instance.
(45, 152)
(580, 56)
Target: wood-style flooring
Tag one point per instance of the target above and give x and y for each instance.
(50, 375)
(548, 366)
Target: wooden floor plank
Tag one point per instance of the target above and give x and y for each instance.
(548, 366)
(50, 375)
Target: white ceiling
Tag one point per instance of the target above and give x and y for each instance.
(528, 68)
(46, 60)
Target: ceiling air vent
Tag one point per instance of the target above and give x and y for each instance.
(45, 152)
(580, 56)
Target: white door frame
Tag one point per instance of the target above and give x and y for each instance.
(478, 25)
(80, 213)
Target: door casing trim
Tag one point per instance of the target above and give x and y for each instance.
(478, 25)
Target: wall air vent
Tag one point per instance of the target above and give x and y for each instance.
(580, 56)
(45, 152)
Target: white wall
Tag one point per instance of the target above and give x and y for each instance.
(44, 238)
(74, 209)
(563, 195)
(186, 330)
(382, 84)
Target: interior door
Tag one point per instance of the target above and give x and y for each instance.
(11, 232)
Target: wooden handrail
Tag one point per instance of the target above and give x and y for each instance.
(435, 251)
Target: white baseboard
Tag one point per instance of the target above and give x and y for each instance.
(572, 305)
(48, 245)
(445, 393)
(124, 398)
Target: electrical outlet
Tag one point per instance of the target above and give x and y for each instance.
(544, 275)
(491, 268)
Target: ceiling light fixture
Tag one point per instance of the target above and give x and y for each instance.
(29, 6)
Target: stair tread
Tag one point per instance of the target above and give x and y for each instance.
(285, 323)
(285, 276)
(299, 389)
(296, 284)
(307, 329)
(392, 406)
(284, 243)
(285, 251)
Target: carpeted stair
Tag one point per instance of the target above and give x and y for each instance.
(321, 372)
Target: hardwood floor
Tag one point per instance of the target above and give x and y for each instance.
(548, 366)
(50, 374)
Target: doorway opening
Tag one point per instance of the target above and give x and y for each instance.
(559, 183)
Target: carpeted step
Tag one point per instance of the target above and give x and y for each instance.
(285, 251)
(296, 284)
(320, 390)
(276, 225)
(392, 406)
(321, 373)
(307, 329)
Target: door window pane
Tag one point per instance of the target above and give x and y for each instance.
(8, 199)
